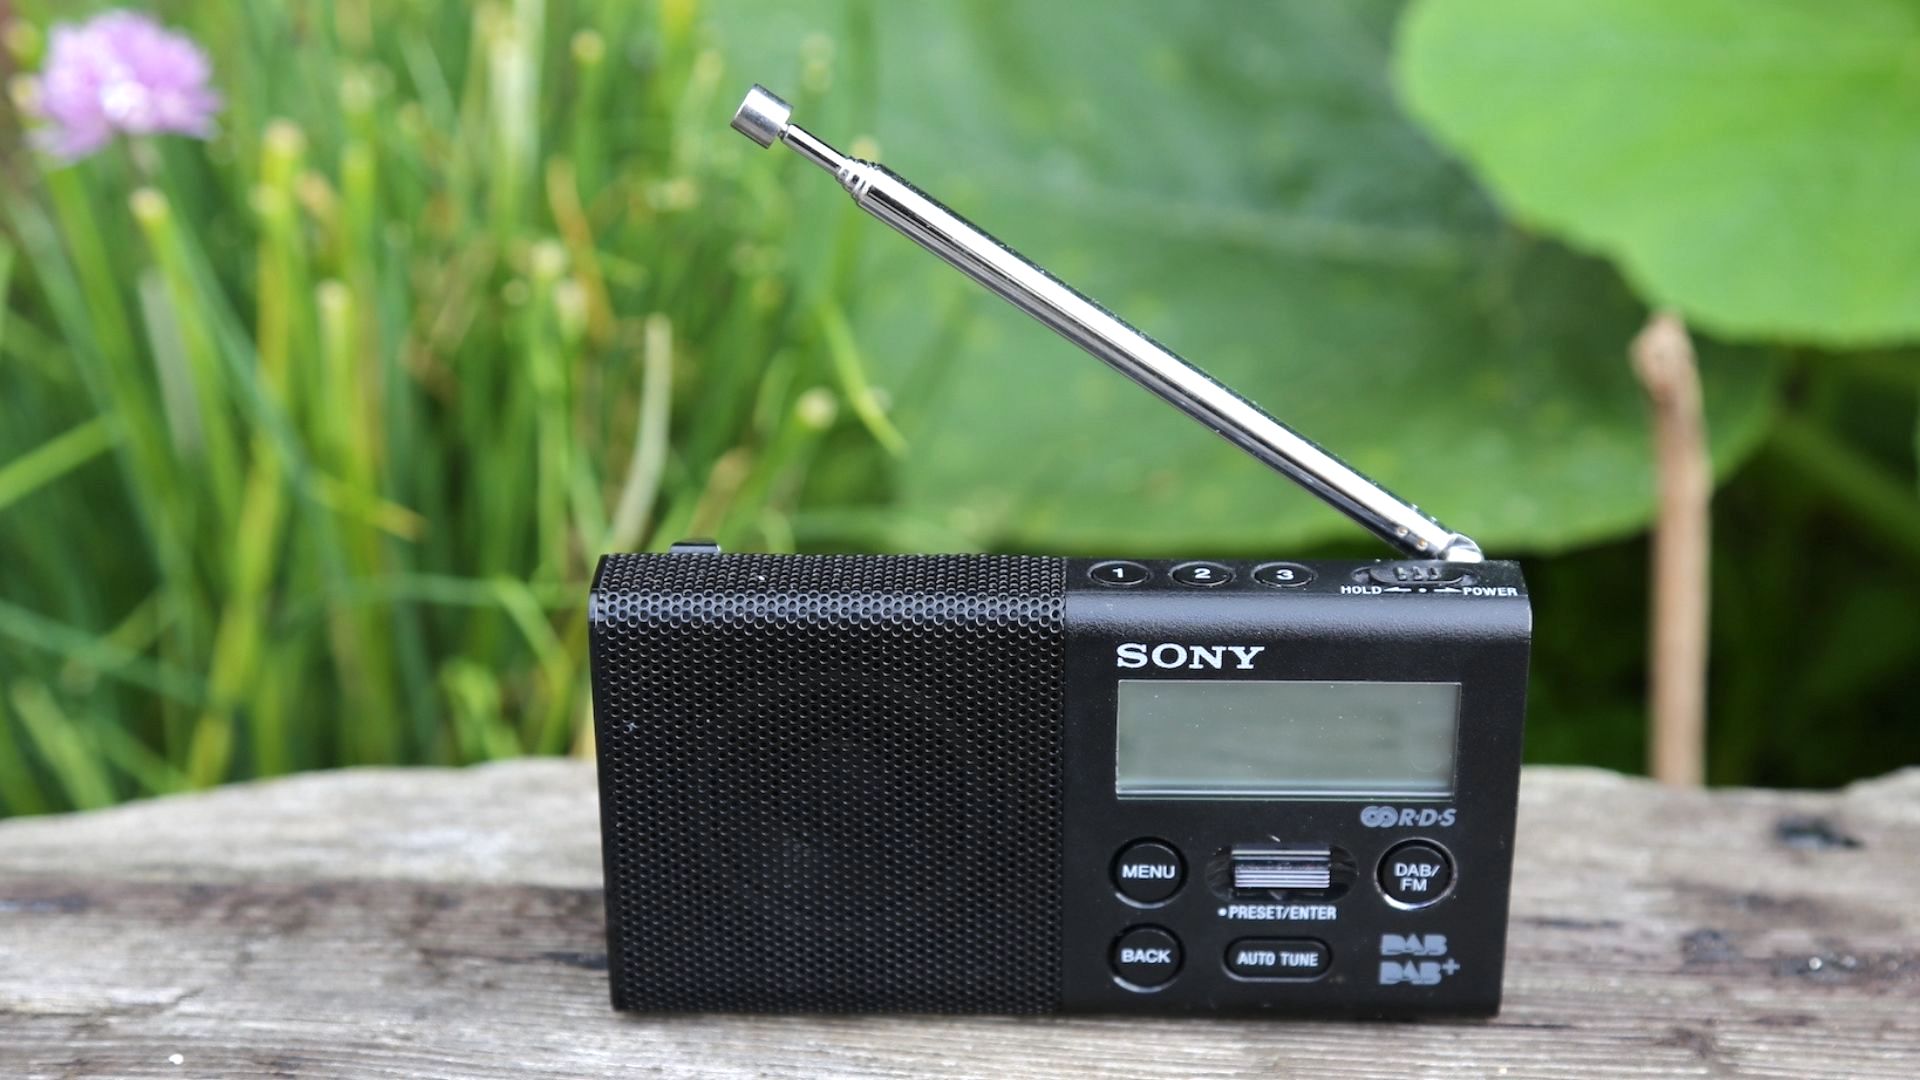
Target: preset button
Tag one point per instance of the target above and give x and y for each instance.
(1119, 572)
(1282, 575)
(1202, 575)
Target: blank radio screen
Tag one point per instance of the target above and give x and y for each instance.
(1227, 739)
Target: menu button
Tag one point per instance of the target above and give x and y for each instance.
(1148, 872)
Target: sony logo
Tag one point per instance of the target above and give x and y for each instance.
(1133, 654)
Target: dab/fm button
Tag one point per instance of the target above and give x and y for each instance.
(1416, 873)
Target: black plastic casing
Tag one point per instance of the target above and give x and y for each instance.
(887, 784)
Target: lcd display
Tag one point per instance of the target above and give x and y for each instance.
(1214, 739)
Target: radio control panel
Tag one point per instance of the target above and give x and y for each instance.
(1385, 577)
(1148, 873)
(1290, 786)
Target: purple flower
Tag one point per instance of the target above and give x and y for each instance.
(122, 72)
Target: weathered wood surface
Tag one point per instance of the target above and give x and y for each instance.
(447, 924)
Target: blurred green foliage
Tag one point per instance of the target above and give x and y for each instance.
(309, 435)
(1752, 165)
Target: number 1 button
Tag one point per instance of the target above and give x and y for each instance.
(1118, 573)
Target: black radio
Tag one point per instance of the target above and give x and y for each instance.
(1020, 784)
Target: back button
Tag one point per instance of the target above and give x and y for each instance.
(1146, 957)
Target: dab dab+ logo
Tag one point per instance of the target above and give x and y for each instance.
(1386, 817)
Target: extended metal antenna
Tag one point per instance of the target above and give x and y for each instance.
(766, 120)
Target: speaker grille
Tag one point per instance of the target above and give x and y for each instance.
(831, 782)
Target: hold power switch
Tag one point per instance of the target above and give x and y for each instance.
(1406, 572)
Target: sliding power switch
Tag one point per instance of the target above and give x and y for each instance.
(1269, 868)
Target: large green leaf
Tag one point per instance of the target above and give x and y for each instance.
(1752, 164)
(1237, 180)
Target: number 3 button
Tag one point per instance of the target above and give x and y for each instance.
(1282, 575)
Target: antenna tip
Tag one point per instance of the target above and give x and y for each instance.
(1461, 550)
(762, 117)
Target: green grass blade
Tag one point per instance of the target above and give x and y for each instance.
(75, 764)
(480, 729)
(1871, 493)
(218, 445)
(6, 283)
(54, 458)
(100, 655)
(20, 790)
(439, 590)
(152, 773)
(547, 723)
(851, 372)
(649, 460)
(94, 267)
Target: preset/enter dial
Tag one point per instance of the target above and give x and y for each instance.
(1262, 867)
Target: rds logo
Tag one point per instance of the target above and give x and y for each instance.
(1386, 817)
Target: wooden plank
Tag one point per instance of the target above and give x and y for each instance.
(446, 923)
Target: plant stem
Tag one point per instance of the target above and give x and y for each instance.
(1663, 359)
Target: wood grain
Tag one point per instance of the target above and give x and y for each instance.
(443, 923)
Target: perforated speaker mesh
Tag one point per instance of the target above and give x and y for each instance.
(831, 782)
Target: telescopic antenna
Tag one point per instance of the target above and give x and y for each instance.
(766, 120)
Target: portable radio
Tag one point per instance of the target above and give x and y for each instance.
(1024, 784)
